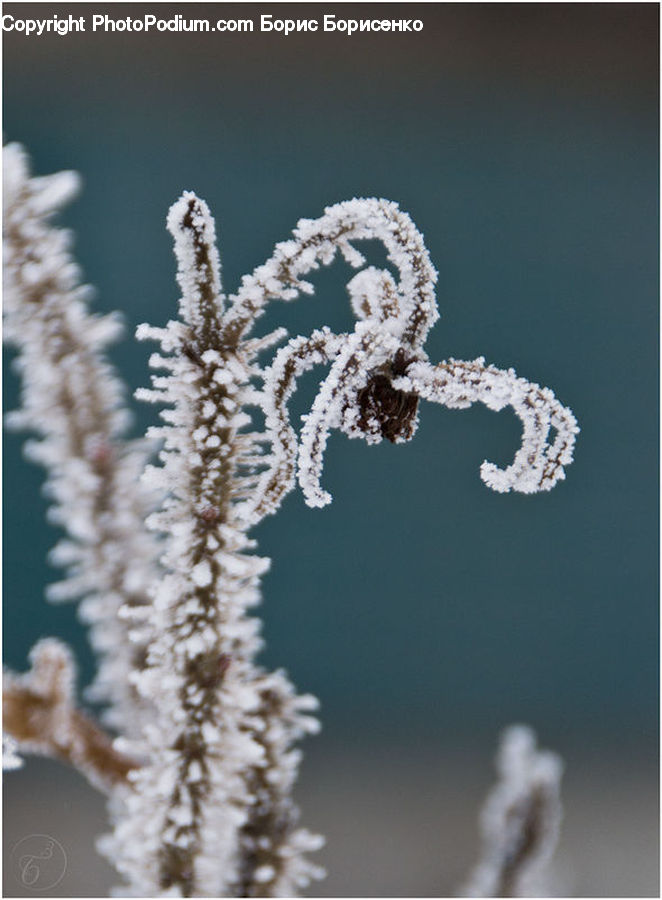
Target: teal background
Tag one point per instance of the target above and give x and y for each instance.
(522, 140)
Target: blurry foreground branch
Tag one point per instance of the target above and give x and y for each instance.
(39, 714)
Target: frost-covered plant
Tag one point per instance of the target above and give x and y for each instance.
(520, 821)
(201, 773)
(73, 401)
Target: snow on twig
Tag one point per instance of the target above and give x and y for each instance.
(201, 777)
(520, 821)
(73, 401)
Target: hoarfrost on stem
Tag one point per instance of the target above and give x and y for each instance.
(520, 821)
(40, 717)
(74, 403)
(380, 371)
(200, 779)
(209, 814)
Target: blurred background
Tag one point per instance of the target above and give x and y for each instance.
(425, 611)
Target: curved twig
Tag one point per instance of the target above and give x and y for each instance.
(316, 241)
(537, 465)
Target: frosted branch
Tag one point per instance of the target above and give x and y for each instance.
(203, 809)
(209, 812)
(316, 241)
(274, 849)
(39, 714)
(300, 355)
(520, 822)
(332, 407)
(73, 401)
(379, 372)
(198, 265)
(539, 463)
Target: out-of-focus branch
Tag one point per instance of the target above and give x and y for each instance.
(74, 403)
(520, 821)
(39, 714)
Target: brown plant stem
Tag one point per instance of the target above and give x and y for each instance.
(45, 725)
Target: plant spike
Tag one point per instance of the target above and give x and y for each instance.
(209, 814)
